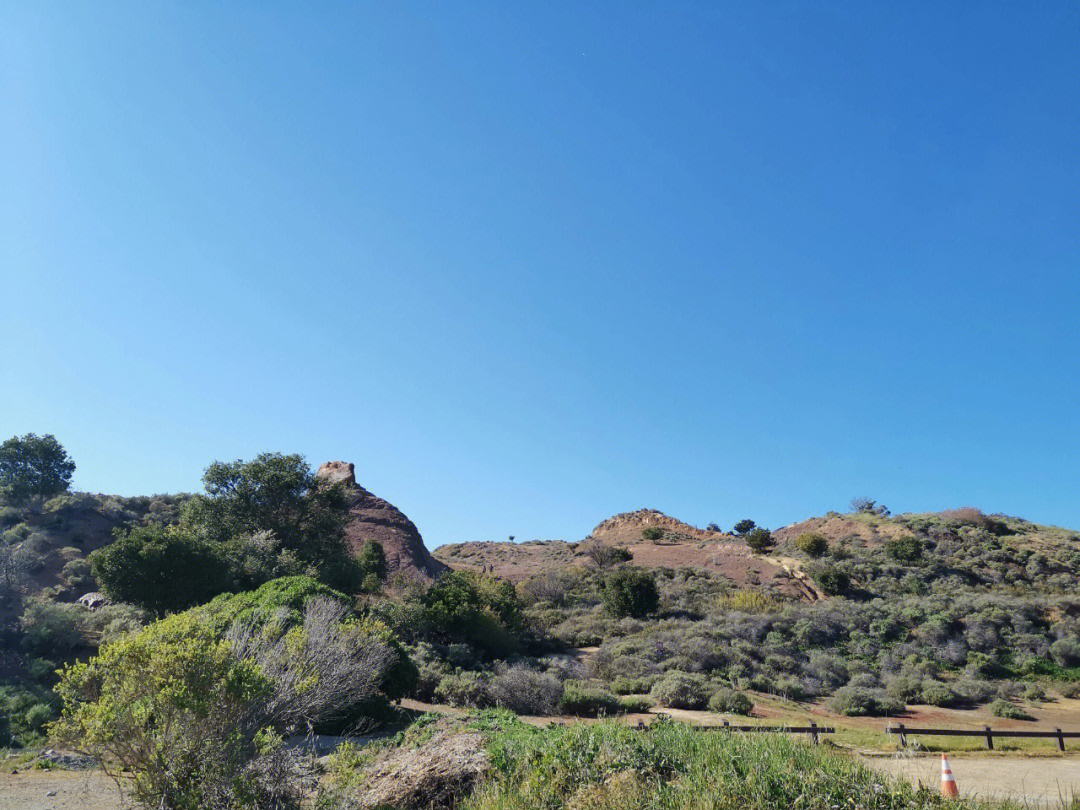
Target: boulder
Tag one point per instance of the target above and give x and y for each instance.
(372, 518)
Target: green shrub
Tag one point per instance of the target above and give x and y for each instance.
(759, 540)
(1033, 693)
(280, 606)
(459, 607)
(77, 573)
(905, 549)
(830, 579)
(855, 701)
(935, 693)
(1003, 708)
(173, 705)
(372, 560)
(465, 689)
(196, 705)
(652, 533)
(623, 685)
(630, 592)
(1066, 652)
(583, 700)
(812, 544)
(1069, 690)
(41, 670)
(728, 701)
(635, 704)
(50, 628)
(9, 516)
(38, 716)
(162, 569)
(680, 690)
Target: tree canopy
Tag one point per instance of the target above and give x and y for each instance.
(34, 467)
(277, 517)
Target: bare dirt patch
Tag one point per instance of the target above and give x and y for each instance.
(58, 790)
(1034, 781)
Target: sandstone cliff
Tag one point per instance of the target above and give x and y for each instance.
(372, 518)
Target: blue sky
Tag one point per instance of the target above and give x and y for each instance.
(529, 265)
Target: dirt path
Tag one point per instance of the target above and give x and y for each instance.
(1035, 781)
(71, 790)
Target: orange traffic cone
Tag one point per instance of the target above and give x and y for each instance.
(948, 784)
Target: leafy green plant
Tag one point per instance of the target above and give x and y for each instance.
(729, 701)
(1009, 711)
(905, 549)
(635, 704)
(759, 540)
(680, 690)
(631, 592)
(162, 569)
(830, 579)
(584, 700)
(812, 544)
(34, 467)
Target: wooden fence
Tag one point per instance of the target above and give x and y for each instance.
(987, 732)
(814, 730)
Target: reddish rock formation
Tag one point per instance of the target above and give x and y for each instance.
(372, 518)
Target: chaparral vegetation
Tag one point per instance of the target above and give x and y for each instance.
(185, 642)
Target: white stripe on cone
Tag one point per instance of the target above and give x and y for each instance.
(948, 784)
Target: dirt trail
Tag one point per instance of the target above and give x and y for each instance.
(71, 790)
(1035, 781)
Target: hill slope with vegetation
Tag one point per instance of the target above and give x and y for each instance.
(260, 609)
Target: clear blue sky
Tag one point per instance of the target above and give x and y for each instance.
(531, 264)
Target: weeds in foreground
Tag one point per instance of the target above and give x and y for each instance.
(609, 766)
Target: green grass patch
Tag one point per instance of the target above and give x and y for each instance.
(610, 766)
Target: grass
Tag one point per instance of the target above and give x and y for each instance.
(609, 766)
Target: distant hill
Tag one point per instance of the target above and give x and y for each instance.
(682, 545)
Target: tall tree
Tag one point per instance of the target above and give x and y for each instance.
(276, 496)
(34, 467)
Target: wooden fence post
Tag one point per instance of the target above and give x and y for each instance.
(813, 732)
(989, 739)
(903, 736)
(1061, 739)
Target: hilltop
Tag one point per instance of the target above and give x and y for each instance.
(679, 545)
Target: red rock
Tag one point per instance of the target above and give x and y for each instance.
(372, 518)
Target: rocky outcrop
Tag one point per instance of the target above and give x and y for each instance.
(372, 518)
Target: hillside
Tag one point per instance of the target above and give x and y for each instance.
(679, 546)
(684, 546)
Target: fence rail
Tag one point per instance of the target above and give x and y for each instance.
(903, 731)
